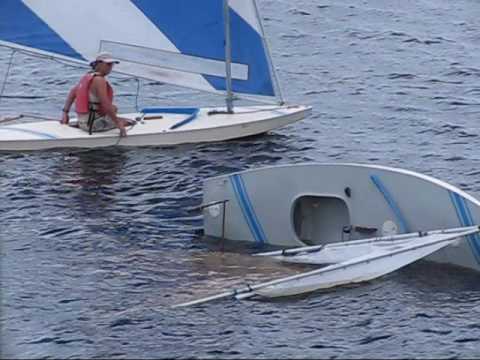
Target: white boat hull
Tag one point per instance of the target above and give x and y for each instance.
(245, 121)
(315, 204)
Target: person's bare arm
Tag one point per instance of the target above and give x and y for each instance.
(68, 104)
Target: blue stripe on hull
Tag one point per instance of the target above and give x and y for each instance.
(247, 209)
(465, 217)
(404, 228)
(27, 131)
(193, 112)
(169, 110)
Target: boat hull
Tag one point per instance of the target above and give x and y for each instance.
(156, 130)
(314, 204)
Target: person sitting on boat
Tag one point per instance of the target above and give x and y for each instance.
(93, 97)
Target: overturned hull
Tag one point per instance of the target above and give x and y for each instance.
(317, 204)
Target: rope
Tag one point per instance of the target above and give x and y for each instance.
(132, 125)
(7, 73)
(57, 60)
(40, 117)
(273, 108)
(10, 119)
(27, 116)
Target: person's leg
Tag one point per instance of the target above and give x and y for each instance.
(103, 123)
(82, 121)
(125, 121)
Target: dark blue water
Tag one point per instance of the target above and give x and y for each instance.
(97, 245)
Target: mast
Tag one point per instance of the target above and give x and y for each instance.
(228, 56)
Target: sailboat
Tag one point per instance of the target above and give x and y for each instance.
(217, 46)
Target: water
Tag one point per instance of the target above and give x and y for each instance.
(96, 245)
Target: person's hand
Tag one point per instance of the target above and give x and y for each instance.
(65, 119)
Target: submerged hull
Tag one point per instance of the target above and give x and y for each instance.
(314, 204)
(159, 128)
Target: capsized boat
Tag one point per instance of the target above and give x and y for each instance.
(361, 221)
(216, 46)
(321, 204)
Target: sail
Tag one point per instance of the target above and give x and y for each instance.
(180, 42)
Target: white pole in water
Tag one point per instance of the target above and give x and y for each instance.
(228, 56)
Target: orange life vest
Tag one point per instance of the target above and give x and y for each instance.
(82, 103)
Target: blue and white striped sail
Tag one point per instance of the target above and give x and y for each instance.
(180, 42)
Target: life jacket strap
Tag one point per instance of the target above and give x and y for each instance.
(92, 111)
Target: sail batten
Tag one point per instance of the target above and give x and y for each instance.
(180, 42)
(172, 60)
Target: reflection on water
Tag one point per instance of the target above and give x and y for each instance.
(90, 175)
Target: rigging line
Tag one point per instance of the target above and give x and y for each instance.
(111, 76)
(273, 72)
(40, 117)
(62, 62)
(137, 94)
(260, 110)
(65, 63)
(82, 67)
(46, 57)
(7, 73)
(130, 127)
